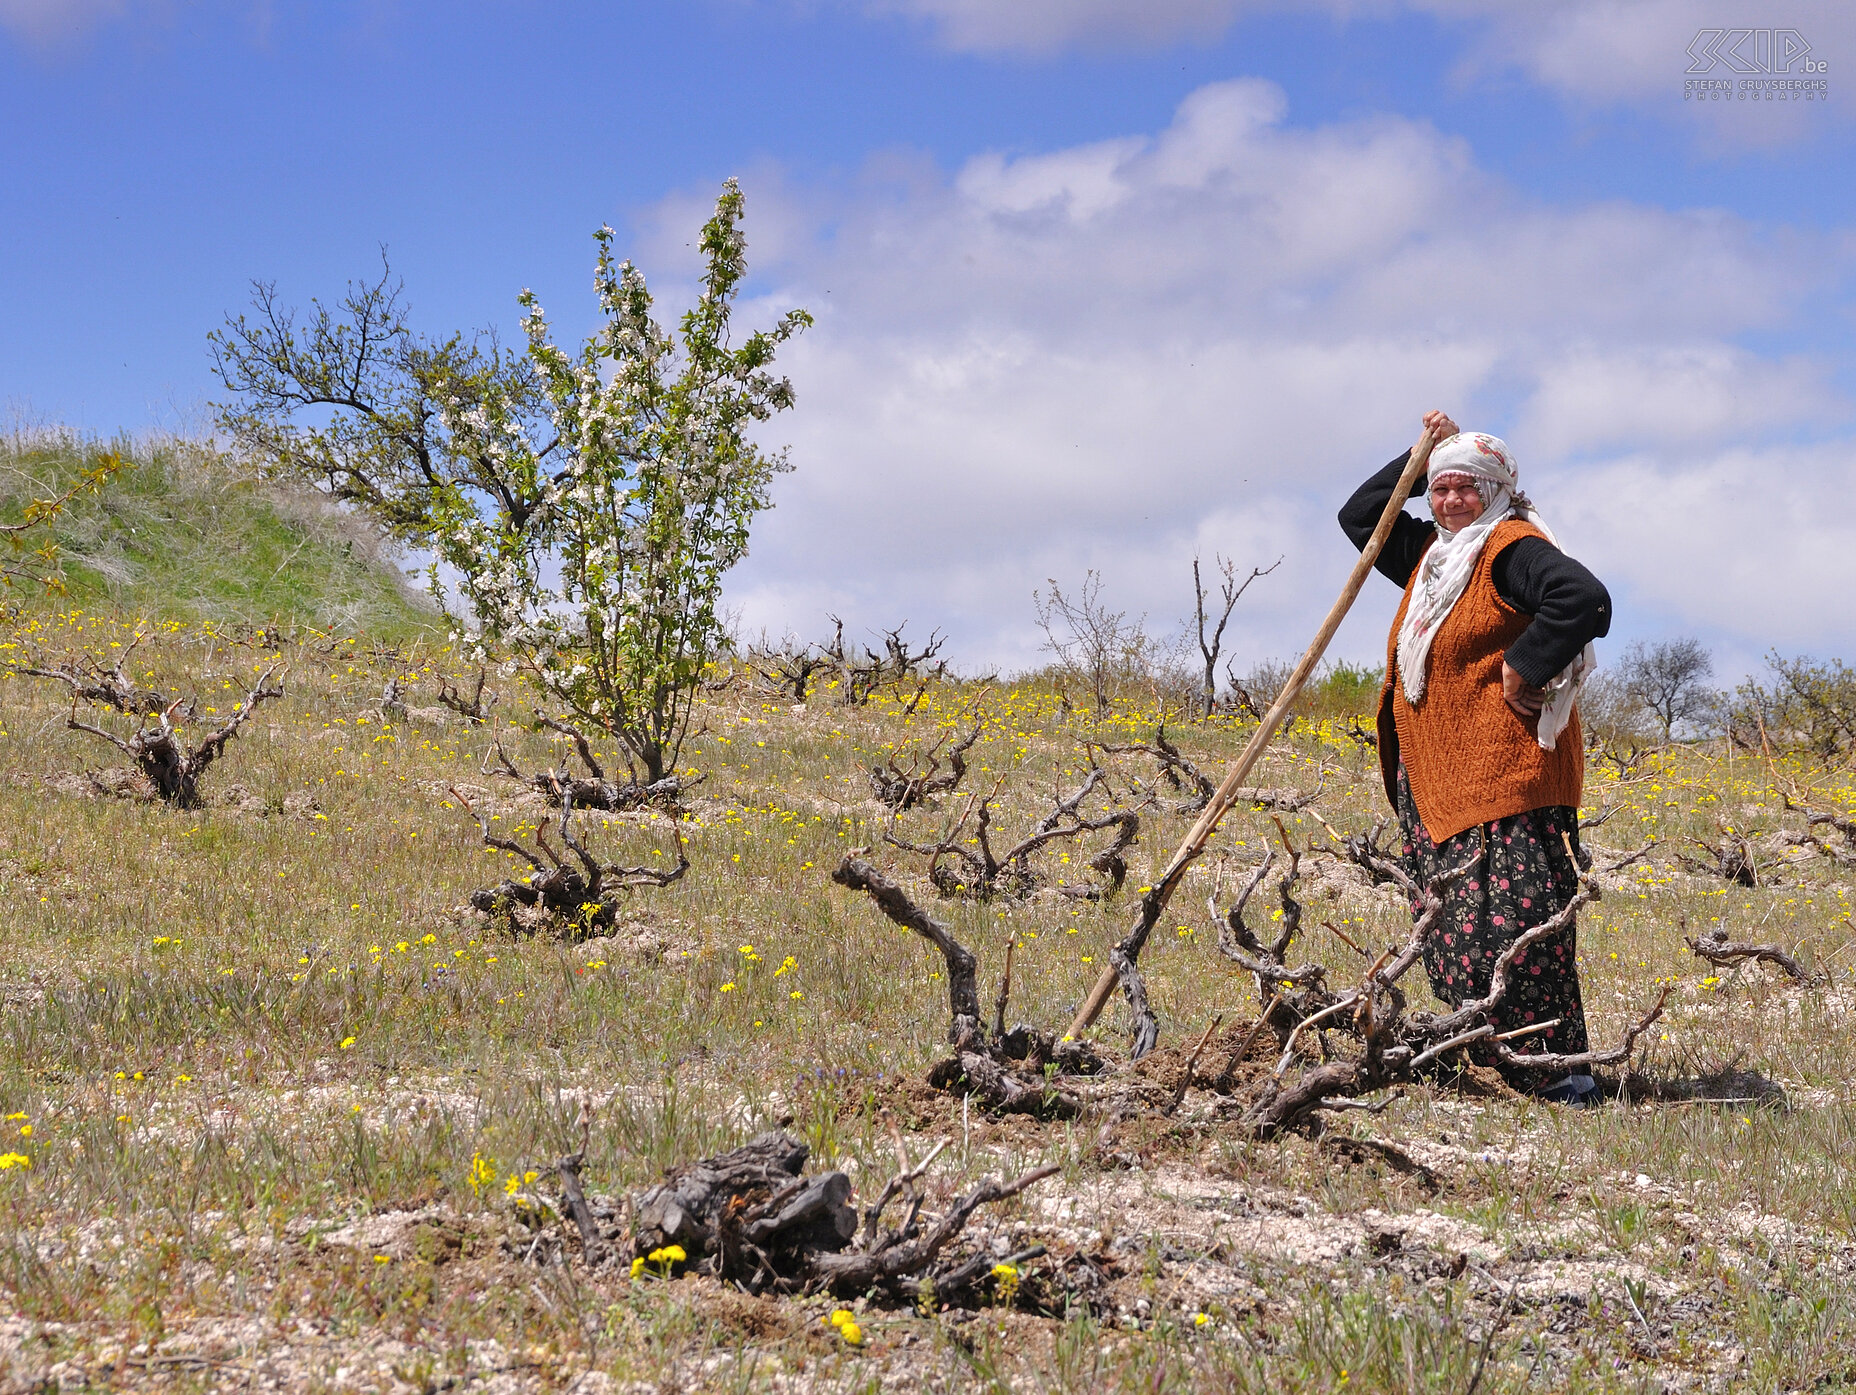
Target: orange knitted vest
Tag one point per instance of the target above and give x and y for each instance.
(1470, 758)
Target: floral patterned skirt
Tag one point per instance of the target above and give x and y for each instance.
(1523, 877)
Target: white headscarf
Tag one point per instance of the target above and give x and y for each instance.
(1451, 561)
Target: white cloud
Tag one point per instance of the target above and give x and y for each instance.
(1595, 396)
(53, 21)
(1638, 53)
(1042, 26)
(1111, 355)
(1594, 53)
(1751, 545)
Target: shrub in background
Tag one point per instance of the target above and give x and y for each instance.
(588, 503)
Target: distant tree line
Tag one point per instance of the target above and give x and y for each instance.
(1652, 692)
(1661, 692)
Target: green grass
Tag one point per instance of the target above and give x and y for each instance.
(181, 533)
(236, 1030)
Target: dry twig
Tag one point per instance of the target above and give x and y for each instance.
(170, 766)
(473, 708)
(593, 790)
(580, 896)
(899, 788)
(974, 868)
(1723, 953)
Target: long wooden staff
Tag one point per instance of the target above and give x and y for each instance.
(1234, 777)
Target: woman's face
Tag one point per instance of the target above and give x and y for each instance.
(1456, 502)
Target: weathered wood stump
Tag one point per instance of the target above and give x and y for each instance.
(1001, 1090)
(750, 1217)
(747, 1214)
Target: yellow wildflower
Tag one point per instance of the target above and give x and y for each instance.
(481, 1174)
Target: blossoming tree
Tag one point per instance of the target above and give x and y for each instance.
(589, 503)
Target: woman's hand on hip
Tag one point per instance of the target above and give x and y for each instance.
(1521, 695)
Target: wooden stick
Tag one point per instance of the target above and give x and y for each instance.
(1005, 989)
(1179, 1091)
(1343, 937)
(569, 1169)
(1528, 1030)
(1250, 1040)
(1240, 769)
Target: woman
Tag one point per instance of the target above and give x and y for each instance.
(1479, 741)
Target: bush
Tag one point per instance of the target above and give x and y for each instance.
(589, 501)
(1809, 705)
(1105, 652)
(1338, 688)
(1343, 690)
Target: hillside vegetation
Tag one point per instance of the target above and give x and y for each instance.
(283, 1110)
(182, 533)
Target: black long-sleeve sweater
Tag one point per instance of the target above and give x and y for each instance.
(1570, 606)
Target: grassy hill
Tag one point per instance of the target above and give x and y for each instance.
(275, 1103)
(281, 1108)
(183, 533)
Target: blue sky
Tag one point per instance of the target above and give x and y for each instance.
(1099, 282)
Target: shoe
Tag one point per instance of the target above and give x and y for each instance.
(1575, 1092)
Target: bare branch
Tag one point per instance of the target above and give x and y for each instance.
(903, 1181)
(987, 871)
(855, 1271)
(579, 898)
(473, 708)
(1479, 1008)
(112, 687)
(594, 791)
(171, 768)
(963, 994)
(1620, 1052)
(1718, 950)
(904, 789)
(214, 745)
(1230, 591)
(1284, 1107)
(1432, 899)
(581, 744)
(490, 840)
